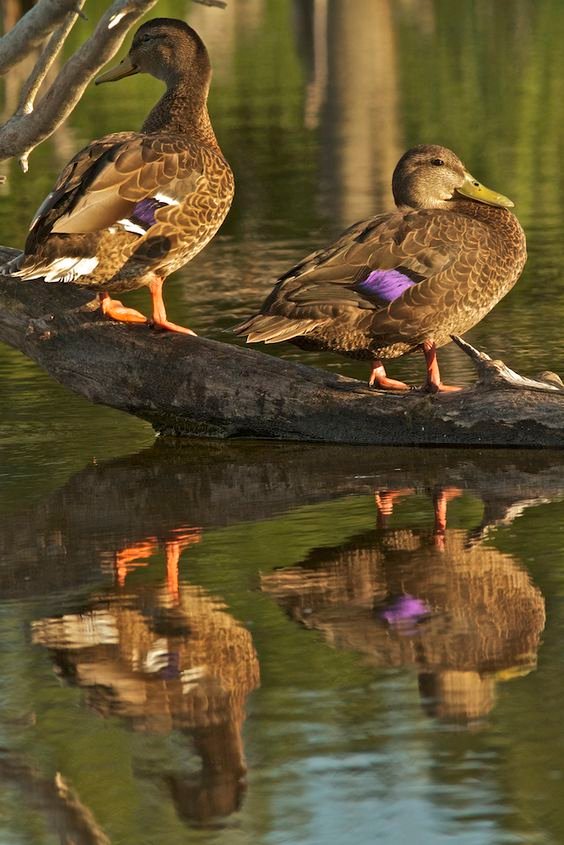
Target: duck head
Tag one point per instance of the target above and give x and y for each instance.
(431, 176)
(166, 48)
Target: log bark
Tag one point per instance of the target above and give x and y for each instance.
(191, 386)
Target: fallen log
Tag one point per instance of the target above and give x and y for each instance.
(192, 386)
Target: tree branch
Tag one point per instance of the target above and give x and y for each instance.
(32, 29)
(218, 4)
(23, 132)
(196, 387)
(43, 65)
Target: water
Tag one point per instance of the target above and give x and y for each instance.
(249, 642)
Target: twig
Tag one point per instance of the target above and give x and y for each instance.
(45, 61)
(220, 4)
(31, 30)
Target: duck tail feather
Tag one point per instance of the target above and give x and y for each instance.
(273, 329)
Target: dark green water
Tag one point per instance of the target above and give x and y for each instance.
(173, 617)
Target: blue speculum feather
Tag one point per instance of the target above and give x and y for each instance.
(144, 212)
(387, 285)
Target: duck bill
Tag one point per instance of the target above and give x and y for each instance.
(474, 190)
(125, 68)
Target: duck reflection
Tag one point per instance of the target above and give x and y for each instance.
(165, 657)
(163, 654)
(462, 614)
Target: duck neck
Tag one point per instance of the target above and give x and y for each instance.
(183, 110)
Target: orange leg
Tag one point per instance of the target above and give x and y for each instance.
(117, 311)
(433, 381)
(159, 312)
(379, 378)
(385, 501)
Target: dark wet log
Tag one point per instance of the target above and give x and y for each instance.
(190, 386)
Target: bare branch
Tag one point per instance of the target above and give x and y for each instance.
(45, 61)
(219, 4)
(23, 132)
(31, 30)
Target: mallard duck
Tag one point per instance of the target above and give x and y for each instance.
(132, 207)
(406, 280)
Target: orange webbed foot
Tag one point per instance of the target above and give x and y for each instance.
(171, 327)
(379, 379)
(118, 311)
(440, 388)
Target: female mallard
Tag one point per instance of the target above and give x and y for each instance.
(402, 281)
(132, 207)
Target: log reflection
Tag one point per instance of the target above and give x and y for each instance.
(463, 615)
(164, 657)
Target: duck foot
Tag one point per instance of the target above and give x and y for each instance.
(379, 379)
(440, 388)
(117, 310)
(433, 383)
(497, 374)
(171, 327)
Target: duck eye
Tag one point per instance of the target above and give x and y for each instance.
(438, 162)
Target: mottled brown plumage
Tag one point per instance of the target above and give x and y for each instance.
(402, 281)
(133, 207)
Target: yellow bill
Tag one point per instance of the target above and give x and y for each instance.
(125, 68)
(474, 190)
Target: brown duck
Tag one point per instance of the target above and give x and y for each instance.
(402, 281)
(132, 207)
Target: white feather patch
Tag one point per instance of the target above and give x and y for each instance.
(67, 269)
(130, 226)
(160, 197)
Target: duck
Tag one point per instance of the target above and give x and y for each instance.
(132, 207)
(402, 281)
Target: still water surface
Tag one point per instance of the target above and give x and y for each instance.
(257, 643)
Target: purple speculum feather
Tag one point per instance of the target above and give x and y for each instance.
(404, 611)
(144, 212)
(386, 284)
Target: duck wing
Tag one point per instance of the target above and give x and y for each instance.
(130, 181)
(373, 267)
(107, 179)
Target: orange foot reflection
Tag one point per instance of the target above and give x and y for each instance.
(440, 502)
(135, 556)
(132, 557)
(385, 501)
